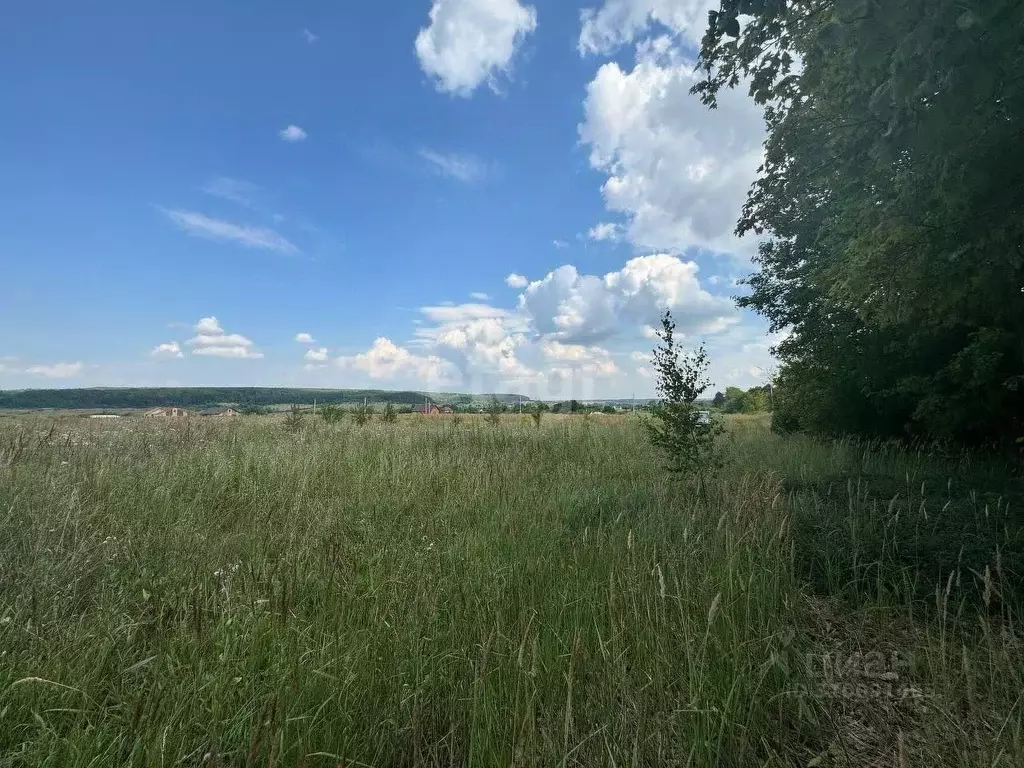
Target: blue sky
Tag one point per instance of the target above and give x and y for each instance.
(445, 195)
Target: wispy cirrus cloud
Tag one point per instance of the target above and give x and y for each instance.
(200, 225)
(464, 168)
(234, 190)
(246, 194)
(309, 37)
(57, 370)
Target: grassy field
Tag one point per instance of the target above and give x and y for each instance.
(440, 593)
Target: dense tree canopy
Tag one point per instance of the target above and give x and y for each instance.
(892, 197)
(754, 400)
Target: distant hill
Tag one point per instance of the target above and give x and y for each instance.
(192, 397)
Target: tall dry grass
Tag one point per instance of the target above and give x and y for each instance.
(436, 593)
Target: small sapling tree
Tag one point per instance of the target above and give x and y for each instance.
(686, 436)
(362, 414)
(537, 413)
(294, 419)
(332, 414)
(494, 409)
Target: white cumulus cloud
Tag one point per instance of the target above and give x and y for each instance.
(677, 171)
(387, 360)
(305, 338)
(239, 352)
(461, 313)
(579, 358)
(569, 305)
(605, 230)
(317, 355)
(482, 348)
(571, 334)
(477, 341)
(293, 133)
(618, 22)
(169, 349)
(516, 281)
(209, 325)
(212, 341)
(470, 42)
(574, 307)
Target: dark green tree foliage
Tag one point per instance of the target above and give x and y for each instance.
(362, 414)
(735, 400)
(293, 421)
(199, 397)
(569, 406)
(537, 412)
(332, 414)
(494, 410)
(893, 194)
(677, 426)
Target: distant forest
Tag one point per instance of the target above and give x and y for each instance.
(193, 397)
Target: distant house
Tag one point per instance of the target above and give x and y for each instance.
(433, 409)
(220, 412)
(171, 412)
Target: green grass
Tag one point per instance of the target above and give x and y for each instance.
(433, 593)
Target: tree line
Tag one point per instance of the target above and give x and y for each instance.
(736, 400)
(891, 198)
(246, 398)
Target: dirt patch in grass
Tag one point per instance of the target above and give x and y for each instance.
(859, 677)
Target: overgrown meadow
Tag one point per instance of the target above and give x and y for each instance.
(436, 592)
